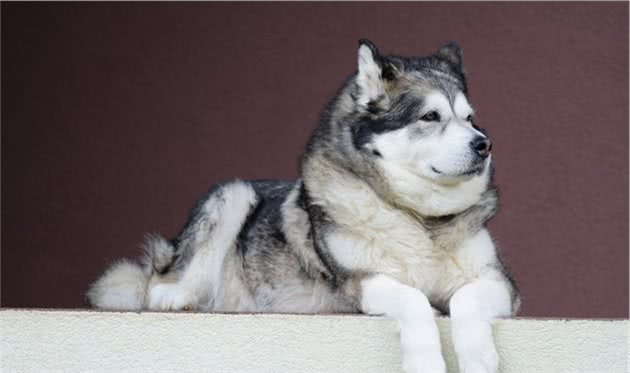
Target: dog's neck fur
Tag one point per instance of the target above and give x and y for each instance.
(333, 187)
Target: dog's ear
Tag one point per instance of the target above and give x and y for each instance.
(374, 70)
(451, 53)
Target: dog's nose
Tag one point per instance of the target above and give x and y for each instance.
(481, 145)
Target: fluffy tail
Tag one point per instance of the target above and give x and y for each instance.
(123, 286)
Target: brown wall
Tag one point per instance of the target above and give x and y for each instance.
(117, 117)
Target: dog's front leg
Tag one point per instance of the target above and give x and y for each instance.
(419, 335)
(472, 309)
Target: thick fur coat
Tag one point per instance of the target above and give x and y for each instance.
(388, 217)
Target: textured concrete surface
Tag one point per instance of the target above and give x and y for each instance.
(73, 341)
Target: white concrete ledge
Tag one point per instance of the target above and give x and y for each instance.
(85, 341)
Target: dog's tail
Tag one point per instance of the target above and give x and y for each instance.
(123, 286)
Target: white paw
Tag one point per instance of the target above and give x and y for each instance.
(169, 297)
(480, 360)
(475, 349)
(420, 345)
(423, 363)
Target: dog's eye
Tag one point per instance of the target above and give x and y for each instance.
(432, 116)
(469, 118)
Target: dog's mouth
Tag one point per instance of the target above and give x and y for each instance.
(476, 169)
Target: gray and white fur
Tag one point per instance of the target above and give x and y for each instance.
(388, 217)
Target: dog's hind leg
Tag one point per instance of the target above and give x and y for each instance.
(222, 217)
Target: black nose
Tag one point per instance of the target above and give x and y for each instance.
(482, 146)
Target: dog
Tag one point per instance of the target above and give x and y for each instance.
(388, 218)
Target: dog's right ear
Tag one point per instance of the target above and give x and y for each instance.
(373, 72)
(370, 86)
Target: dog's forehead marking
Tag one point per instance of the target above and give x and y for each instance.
(436, 100)
(461, 106)
(441, 92)
(457, 104)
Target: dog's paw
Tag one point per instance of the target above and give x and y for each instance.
(420, 346)
(424, 363)
(479, 360)
(475, 350)
(169, 297)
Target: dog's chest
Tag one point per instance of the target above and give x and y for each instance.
(386, 240)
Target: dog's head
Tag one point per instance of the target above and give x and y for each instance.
(410, 130)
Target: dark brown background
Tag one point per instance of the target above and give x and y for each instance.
(117, 117)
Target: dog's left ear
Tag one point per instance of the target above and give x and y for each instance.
(374, 71)
(451, 53)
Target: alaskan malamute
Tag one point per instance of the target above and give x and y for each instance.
(388, 217)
